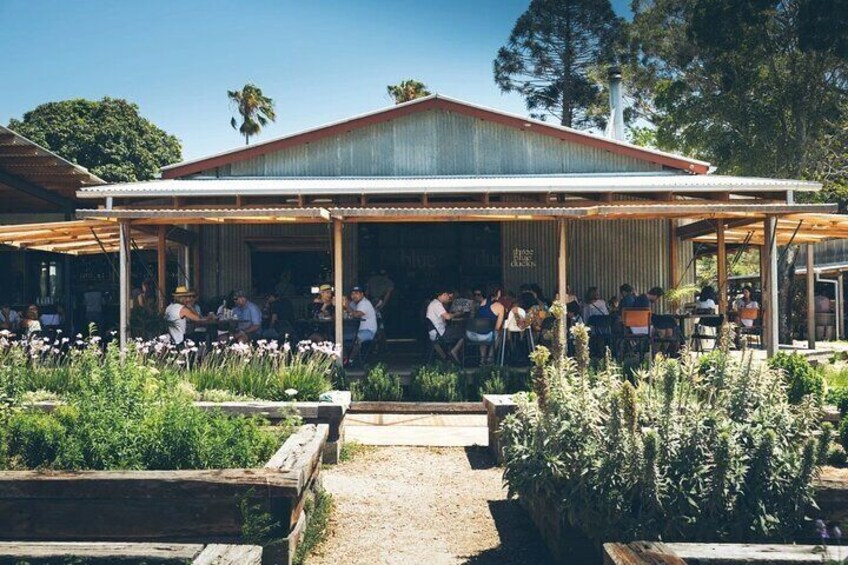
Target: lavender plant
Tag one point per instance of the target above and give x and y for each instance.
(679, 454)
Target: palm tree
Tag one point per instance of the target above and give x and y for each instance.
(255, 108)
(407, 90)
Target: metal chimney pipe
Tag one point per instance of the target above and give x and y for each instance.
(616, 127)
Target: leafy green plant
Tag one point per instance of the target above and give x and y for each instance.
(377, 385)
(802, 378)
(318, 510)
(676, 455)
(148, 323)
(434, 383)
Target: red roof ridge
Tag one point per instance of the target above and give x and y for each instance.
(436, 101)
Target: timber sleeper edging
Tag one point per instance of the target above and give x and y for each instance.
(196, 506)
(196, 554)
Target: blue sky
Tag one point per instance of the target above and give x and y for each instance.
(321, 60)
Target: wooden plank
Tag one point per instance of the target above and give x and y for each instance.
(217, 554)
(811, 297)
(715, 553)
(338, 283)
(98, 550)
(418, 407)
(161, 267)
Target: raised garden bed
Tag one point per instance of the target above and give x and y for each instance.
(498, 407)
(330, 413)
(198, 506)
(387, 407)
(655, 553)
(37, 553)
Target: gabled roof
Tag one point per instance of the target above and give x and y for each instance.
(432, 102)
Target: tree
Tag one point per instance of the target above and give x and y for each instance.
(108, 137)
(255, 108)
(751, 85)
(407, 90)
(553, 55)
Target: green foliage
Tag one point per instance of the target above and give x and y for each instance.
(318, 511)
(837, 456)
(802, 378)
(434, 383)
(407, 90)
(843, 432)
(125, 415)
(255, 108)
(257, 525)
(679, 455)
(353, 449)
(553, 55)
(377, 385)
(108, 137)
(147, 323)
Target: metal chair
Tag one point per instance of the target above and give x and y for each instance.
(755, 329)
(600, 334)
(444, 345)
(481, 326)
(713, 321)
(509, 341)
(635, 318)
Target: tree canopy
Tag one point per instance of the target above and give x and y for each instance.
(553, 55)
(255, 108)
(407, 90)
(108, 137)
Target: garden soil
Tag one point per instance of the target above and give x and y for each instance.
(411, 505)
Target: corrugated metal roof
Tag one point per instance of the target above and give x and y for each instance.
(422, 104)
(77, 237)
(225, 213)
(311, 186)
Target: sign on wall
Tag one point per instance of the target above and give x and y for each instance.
(522, 258)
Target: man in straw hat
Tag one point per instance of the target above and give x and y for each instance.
(179, 310)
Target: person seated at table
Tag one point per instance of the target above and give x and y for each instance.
(628, 297)
(614, 305)
(647, 300)
(594, 305)
(489, 309)
(10, 320)
(439, 317)
(249, 317)
(322, 306)
(280, 316)
(179, 311)
(360, 307)
(31, 325)
(706, 300)
(746, 302)
(146, 296)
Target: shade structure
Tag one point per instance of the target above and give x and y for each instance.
(808, 227)
(76, 237)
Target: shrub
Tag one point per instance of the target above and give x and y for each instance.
(838, 397)
(35, 439)
(435, 384)
(843, 432)
(377, 385)
(837, 456)
(675, 456)
(802, 379)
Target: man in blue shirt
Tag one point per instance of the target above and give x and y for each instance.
(249, 317)
(628, 297)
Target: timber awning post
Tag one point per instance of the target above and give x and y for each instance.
(840, 312)
(811, 297)
(124, 284)
(161, 267)
(771, 334)
(338, 283)
(562, 275)
(721, 267)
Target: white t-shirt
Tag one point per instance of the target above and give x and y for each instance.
(511, 323)
(596, 308)
(708, 304)
(176, 322)
(369, 320)
(740, 304)
(434, 313)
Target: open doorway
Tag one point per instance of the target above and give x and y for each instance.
(420, 257)
(292, 273)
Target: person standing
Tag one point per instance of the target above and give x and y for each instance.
(380, 289)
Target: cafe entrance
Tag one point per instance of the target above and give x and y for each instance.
(420, 257)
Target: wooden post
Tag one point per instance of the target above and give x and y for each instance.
(161, 266)
(338, 282)
(673, 241)
(196, 260)
(811, 297)
(562, 272)
(840, 313)
(771, 334)
(721, 265)
(124, 285)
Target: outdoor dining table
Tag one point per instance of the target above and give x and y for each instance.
(215, 325)
(327, 327)
(683, 316)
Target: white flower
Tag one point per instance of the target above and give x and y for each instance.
(290, 392)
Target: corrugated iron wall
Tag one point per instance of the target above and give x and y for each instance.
(602, 253)
(826, 252)
(225, 254)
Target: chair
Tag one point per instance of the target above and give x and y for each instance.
(511, 339)
(600, 334)
(755, 329)
(632, 318)
(481, 326)
(713, 321)
(443, 345)
(668, 345)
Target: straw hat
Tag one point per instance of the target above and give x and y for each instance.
(183, 291)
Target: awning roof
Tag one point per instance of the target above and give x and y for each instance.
(33, 179)
(441, 185)
(78, 237)
(797, 228)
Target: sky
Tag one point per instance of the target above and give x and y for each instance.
(320, 60)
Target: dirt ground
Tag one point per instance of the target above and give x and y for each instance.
(411, 505)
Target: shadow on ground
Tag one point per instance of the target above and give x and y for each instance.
(520, 542)
(479, 457)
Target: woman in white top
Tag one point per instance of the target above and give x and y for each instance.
(746, 302)
(180, 310)
(705, 304)
(594, 305)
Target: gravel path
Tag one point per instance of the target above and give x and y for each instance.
(414, 505)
